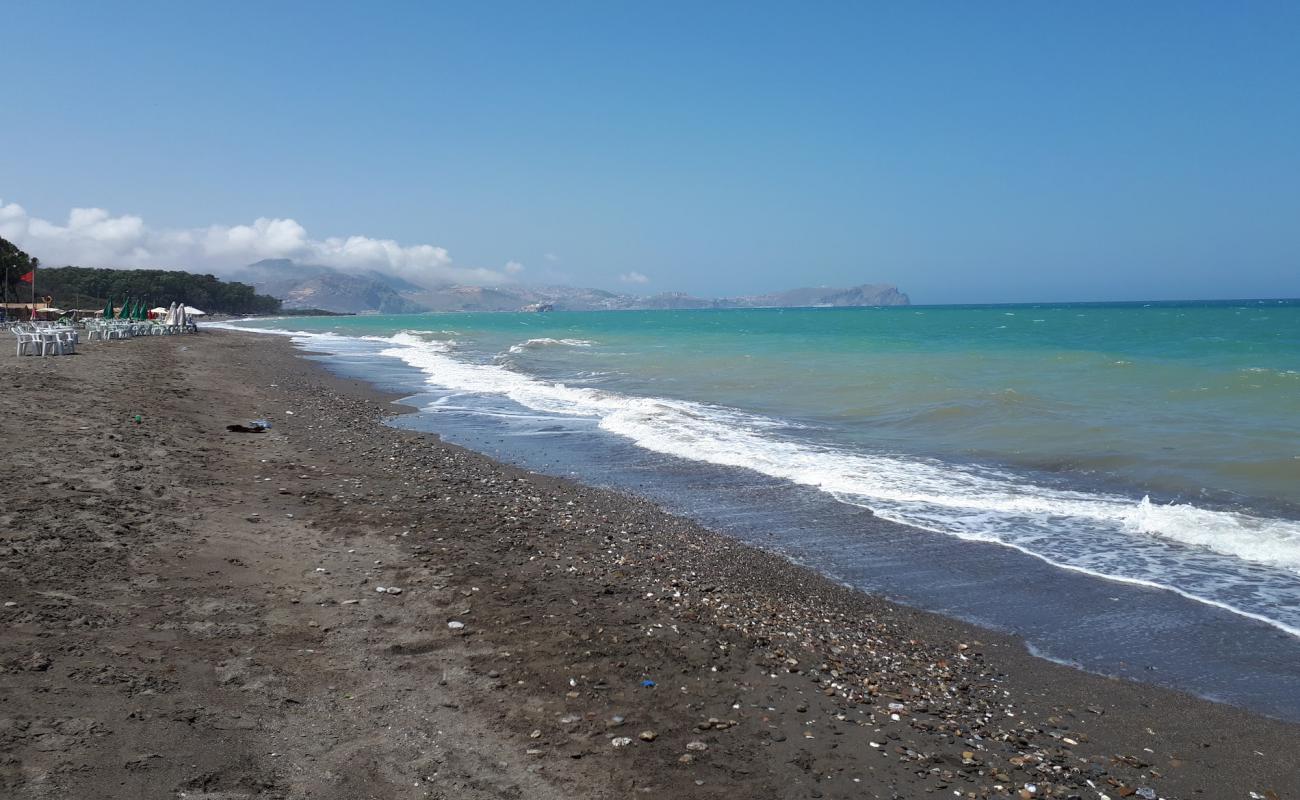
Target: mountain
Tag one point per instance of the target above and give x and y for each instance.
(314, 286)
(357, 294)
(563, 298)
(673, 300)
(867, 294)
(473, 298)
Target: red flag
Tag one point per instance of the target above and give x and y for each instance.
(29, 277)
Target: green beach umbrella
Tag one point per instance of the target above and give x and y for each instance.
(125, 313)
(108, 309)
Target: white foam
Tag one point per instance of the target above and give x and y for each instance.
(234, 326)
(547, 341)
(732, 438)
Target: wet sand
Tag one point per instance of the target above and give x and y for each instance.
(192, 612)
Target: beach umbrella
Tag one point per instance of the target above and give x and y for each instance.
(191, 311)
(125, 311)
(141, 313)
(108, 309)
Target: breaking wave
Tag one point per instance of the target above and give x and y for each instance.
(547, 341)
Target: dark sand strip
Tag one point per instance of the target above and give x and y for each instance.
(194, 614)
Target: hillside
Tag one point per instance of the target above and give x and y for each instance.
(311, 286)
(867, 294)
(314, 286)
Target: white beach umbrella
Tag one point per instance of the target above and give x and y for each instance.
(180, 315)
(170, 319)
(191, 311)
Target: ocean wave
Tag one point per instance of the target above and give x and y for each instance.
(232, 325)
(732, 438)
(428, 339)
(1273, 542)
(1287, 374)
(547, 341)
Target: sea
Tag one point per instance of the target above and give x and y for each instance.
(1116, 483)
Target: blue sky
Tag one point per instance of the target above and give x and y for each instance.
(968, 152)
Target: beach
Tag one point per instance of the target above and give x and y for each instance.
(195, 612)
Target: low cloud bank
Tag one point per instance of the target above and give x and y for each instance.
(93, 237)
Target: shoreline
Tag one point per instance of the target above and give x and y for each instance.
(569, 596)
(1112, 625)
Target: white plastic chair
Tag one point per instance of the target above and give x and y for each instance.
(35, 338)
(27, 343)
(51, 341)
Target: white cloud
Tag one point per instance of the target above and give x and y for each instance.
(551, 257)
(514, 268)
(633, 277)
(92, 237)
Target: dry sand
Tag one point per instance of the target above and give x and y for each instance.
(193, 613)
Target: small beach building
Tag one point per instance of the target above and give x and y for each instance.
(20, 312)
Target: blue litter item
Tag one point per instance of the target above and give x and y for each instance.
(649, 684)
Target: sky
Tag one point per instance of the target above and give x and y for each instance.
(967, 152)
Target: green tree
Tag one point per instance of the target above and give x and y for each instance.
(13, 264)
(86, 287)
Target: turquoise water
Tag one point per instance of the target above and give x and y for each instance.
(1156, 444)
